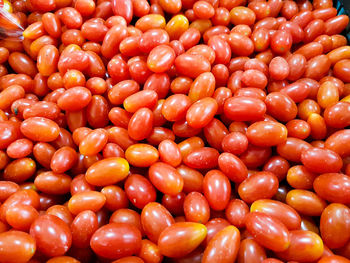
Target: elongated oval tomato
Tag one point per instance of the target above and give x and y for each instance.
(223, 247)
(180, 239)
(52, 235)
(244, 109)
(304, 246)
(217, 189)
(333, 187)
(260, 185)
(321, 160)
(201, 112)
(196, 208)
(165, 178)
(286, 214)
(268, 231)
(267, 133)
(17, 246)
(40, 129)
(124, 236)
(335, 219)
(86, 200)
(154, 219)
(107, 171)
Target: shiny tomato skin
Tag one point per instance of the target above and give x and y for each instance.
(165, 178)
(304, 246)
(321, 160)
(107, 171)
(52, 235)
(286, 214)
(217, 189)
(201, 112)
(181, 238)
(244, 109)
(250, 251)
(196, 208)
(236, 212)
(202, 158)
(335, 222)
(154, 219)
(266, 133)
(232, 167)
(83, 227)
(191, 65)
(124, 236)
(40, 129)
(261, 185)
(223, 247)
(337, 142)
(268, 231)
(333, 187)
(16, 246)
(139, 190)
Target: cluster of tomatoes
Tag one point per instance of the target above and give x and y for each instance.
(175, 131)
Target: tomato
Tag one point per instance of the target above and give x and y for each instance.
(149, 252)
(261, 185)
(52, 235)
(240, 45)
(87, 200)
(236, 212)
(123, 8)
(193, 180)
(216, 189)
(244, 109)
(107, 171)
(83, 227)
(321, 160)
(281, 106)
(300, 177)
(191, 65)
(286, 214)
(40, 129)
(139, 190)
(154, 219)
(148, 153)
(204, 157)
(196, 208)
(17, 246)
(53, 183)
(165, 178)
(251, 251)
(125, 236)
(223, 247)
(334, 219)
(20, 217)
(305, 202)
(281, 41)
(304, 246)
(161, 58)
(20, 170)
(180, 239)
(266, 133)
(332, 187)
(268, 231)
(21, 197)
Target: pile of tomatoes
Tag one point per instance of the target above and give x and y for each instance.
(175, 131)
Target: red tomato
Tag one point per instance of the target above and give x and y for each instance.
(180, 239)
(52, 235)
(124, 236)
(268, 231)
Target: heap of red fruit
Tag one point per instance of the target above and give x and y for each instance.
(175, 131)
